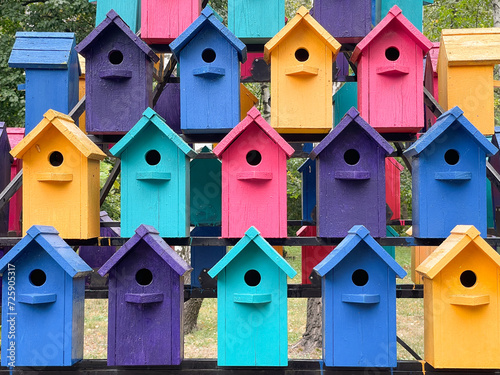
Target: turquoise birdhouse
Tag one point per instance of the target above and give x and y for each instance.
(128, 10)
(252, 304)
(155, 178)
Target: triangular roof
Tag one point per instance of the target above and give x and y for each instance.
(351, 116)
(253, 117)
(461, 237)
(471, 46)
(253, 235)
(355, 236)
(67, 128)
(208, 16)
(151, 236)
(42, 50)
(48, 238)
(149, 116)
(112, 18)
(302, 17)
(394, 15)
(15, 135)
(445, 121)
(433, 55)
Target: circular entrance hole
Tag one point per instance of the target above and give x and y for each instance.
(38, 277)
(252, 278)
(351, 156)
(254, 157)
(115, 57)
(56, 159)
(153, 157)
(392, 53)
(302, 54)
(144, 277)
(468, 279)
(208, 55)
(451, 157)
(360, 277)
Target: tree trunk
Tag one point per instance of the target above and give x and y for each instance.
(496, 12)
(266, 101)
(313, 337)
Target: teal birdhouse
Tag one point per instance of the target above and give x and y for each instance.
(252, 304)
(128, 10)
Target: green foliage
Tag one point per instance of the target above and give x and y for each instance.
(294, 193)
(112, 203)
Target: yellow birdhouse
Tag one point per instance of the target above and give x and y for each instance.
(247, 101)
(466, 61)
(301, 57)
(60, 178)
(461, 302)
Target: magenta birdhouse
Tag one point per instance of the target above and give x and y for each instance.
(253, 159)
(431, 81)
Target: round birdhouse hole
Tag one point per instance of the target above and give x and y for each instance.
(115, 57)
(351, 156)
(144, 277)
(302, 54)
(153, 157)
(451, 157)
(37, 277)
(468, 279)
(360, 277)
(392, 54)
(56, 159)
(252, 278)
(208, 55)
(254, 157)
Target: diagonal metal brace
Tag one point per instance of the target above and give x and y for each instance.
(166, 75)
(432, 103)
(493, 175)
(11, 189)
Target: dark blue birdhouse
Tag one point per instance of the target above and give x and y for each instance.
(308, 173)
(209, 56)
(205, 257)
(359, 303)
(448, 183)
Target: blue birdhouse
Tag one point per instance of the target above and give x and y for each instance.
(155, 178)
(52, 70)
(252, 304)
(448, 183)
(45, 308)
(359, 303)
(209, 56)
(205, 257)
(308, 173)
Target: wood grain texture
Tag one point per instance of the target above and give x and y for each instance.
(16, 202)
(129, 11)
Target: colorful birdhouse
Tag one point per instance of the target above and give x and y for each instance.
(155, 167)
(413, 10)
(60, 178)
(393, 171)
(81, 91)
(359, 303)
(253, 159)
(5, 170)
(209, 55)
(308, 173)
(462, 290)
(344, 99)
(15, 136)
(418, 255)
(431, 81)
(163, 21)
(301, 57)
(205, 257)
(47, 316)
(128, 10)
(247, 101)
(495, 162)
(252, 304)
(351, 178)
(311, 255)
(255, 22)
(391, 250)
(466, 61)
(168, 106)
(119, 79)
(448, 183)
(51, 66)
(390, 60)
(146, 285)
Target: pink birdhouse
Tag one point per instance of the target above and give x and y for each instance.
(15, 205)
(431, 81)
(393, 171)
(390, 61)
(253, 159)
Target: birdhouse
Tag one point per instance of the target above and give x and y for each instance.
(15, 136)
(391, 250)
(359, 303)
(209, 55)
(128, 10)
(119, 79)
(390, 60)
(301, 57)
(81, 91)
(146, 285)
(351, 178)
(168, 106)
(5, 170)
(495, 162)
(247, 101)
(252, 304)
(163, 21)
(205, 257)
(255, 22)
(343, 100)
(46, 313)
(393, 171)
(467, 58)
(431, 81)
(60, 178)
(155, 167)
(206, 190)
(308, 176)
(311, 255)
(253, 159)
(347, 20)
(413, 10)
(462, 290)
(51, 66)
(448, 169)
(418, 255)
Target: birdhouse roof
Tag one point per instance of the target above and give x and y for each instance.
(149, 116)
(351, 116)
(48, 238)
(302, 18)
(395, 16)
(152, 238)
(355, 236)
(453, 117)
(15, 136)
(471, 46)
(253, 117)
(66, 126)
(112, 18)
(208, 16)
(42, 50)
(461, 237)
(433, 55)
(253, 235)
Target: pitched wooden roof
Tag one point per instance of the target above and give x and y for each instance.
(471, 46)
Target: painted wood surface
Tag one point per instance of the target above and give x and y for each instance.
(393, 171)
(146, 284)
(412, 9)
(5, 170)
(301, 57)
(343, 100)
(49, 300)
(308, 177)
(418, 255)
(495, 162)
(16, 202)
(60, 177)
(247, 101)
(311, 255)
(204, 257)
(462, 290)
(391, 250)
(81, 91)
(248, 65)
(431, 81)
(128, 10)
(390, 60)
(168, 106)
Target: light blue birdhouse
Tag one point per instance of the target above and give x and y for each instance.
(128, 10)
(412, 9)
(345, 98)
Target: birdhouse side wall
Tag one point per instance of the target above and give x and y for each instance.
(91, 191)
(393, 188)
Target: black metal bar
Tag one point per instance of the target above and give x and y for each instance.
(78, 109)
(110, 181)
(432, 103)
(408, 348)
(11, 188)
(166, 75)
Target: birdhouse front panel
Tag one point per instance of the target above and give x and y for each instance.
(128, 10)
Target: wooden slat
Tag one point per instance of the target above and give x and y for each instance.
(432, 103)
(78, 109)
